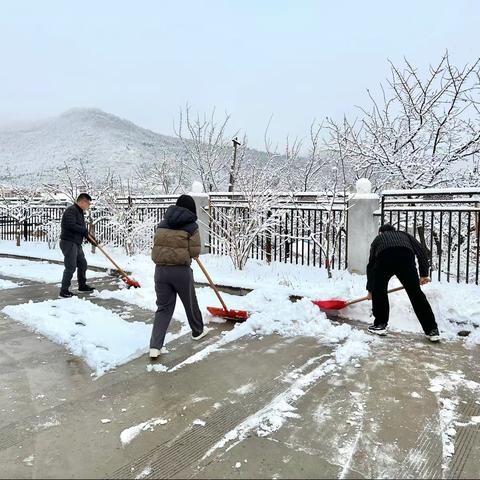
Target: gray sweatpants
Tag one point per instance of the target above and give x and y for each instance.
(170, 281)
(74, 259)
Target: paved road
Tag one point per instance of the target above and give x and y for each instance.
(394, 414)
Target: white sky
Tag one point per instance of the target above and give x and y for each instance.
(295, 60)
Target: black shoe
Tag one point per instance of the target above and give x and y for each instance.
(66, 294)
(378, 329)
(86, 288)
(433, 335)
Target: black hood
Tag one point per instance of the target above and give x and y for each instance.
(177, 217)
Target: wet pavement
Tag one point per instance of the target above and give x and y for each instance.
(399, 413)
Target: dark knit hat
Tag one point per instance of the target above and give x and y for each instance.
(186, 201)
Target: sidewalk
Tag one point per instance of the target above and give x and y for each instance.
(398, 413)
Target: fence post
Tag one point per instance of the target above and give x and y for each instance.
(201, 202)
(362, 225)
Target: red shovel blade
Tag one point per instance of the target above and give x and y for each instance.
(330, 304)
(131, 282)
(237, 315)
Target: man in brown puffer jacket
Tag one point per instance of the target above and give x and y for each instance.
(176, 242)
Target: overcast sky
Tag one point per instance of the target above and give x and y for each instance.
(296, 60)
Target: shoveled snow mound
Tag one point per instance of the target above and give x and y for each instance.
(102, 338)
(4, 284)
(273, 313)
(456, 306)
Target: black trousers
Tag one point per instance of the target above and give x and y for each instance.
(73, 259)
(401, 263)
(170, 281)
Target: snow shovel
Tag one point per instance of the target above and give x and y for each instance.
(339, 304)
(129, 281)
(226, 313)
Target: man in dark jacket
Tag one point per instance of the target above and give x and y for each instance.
(176, 242)
(393, 253)
(74, 231)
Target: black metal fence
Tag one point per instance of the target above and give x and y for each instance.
(303, 229)
(38, 220)
(447, 223)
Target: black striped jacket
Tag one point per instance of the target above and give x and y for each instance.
(392, 239)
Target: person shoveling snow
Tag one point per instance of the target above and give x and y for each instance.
(176, 242)
(393, 253)
(74, 232)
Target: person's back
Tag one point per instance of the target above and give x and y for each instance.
(176, 240)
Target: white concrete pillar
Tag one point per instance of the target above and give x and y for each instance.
(362, 225)
(201, 202)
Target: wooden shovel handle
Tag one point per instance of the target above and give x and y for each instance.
(362, 299)
(210, 281)
(108, 256)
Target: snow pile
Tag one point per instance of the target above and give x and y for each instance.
(36, 271)
(131, 433)
(102, 338)
(456, 306)
(4, 284)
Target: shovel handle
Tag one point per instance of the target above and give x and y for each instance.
(362, 299)
(108, 256)
(210, 281)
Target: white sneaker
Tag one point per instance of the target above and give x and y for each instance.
(199, 337)
(154, 353)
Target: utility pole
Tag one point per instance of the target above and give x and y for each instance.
(231, 180)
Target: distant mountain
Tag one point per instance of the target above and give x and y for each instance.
(103, 141)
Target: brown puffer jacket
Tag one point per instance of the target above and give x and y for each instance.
(177, 239)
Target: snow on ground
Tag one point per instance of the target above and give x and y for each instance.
(445, 387)
(457, 306)
(37, 271)
(131, 433)
(4, 284)
(102, 338)
(352, 345)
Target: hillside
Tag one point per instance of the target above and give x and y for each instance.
(103, 141)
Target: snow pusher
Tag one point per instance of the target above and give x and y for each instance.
(340, 304)
(226, 313)
(129, 281)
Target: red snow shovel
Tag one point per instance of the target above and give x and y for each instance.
(339, 304)
(129, 281)
(226, 313)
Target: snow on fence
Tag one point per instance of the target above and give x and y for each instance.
(447, 223)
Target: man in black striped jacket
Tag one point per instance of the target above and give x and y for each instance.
(393, 253)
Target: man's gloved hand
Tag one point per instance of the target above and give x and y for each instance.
(369, 295)
(425, 280)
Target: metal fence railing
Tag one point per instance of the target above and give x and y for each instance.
(300, 225)
(37, 220)
(447, 223)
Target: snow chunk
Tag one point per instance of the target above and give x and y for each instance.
(131, 433)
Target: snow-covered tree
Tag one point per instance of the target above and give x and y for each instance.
(242, 218)
(307, 168)
(424, 130)
(332, 203)
(206, 146)
(166, 176)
